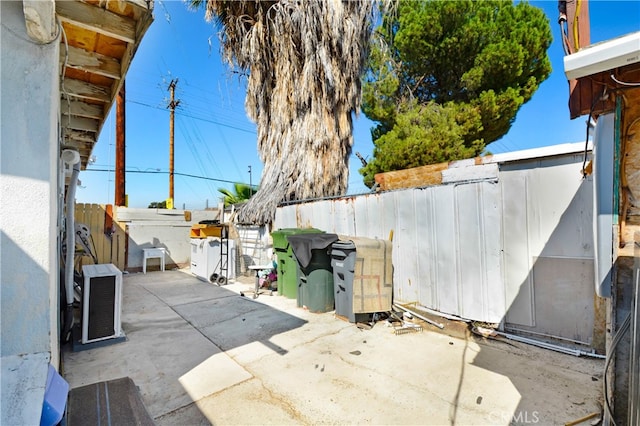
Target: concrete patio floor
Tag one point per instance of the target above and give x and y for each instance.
(202, 354)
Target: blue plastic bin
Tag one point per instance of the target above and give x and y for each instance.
(55, 398)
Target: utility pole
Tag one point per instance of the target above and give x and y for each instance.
(250, 185)
(172, 108)
(119, 198)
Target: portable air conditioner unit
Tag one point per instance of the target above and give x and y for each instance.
(101, 302)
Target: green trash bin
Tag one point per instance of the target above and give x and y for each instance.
(315, 273)
(287, 264)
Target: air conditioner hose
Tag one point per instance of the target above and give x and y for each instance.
(70, 239)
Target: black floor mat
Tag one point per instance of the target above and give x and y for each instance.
(114, 402)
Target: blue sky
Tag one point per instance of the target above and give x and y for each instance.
(214, 139)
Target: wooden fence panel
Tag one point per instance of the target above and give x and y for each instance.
(119, 244)
(108, 238)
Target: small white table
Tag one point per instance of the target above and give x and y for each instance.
(153, 253)
(259, 268)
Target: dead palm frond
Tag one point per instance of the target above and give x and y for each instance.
(304, 61)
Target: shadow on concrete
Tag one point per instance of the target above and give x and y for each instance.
(454, 407)
(226, 319)
(178, 329)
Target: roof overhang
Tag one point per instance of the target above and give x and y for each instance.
(597, 71)
(98, 41)
(602, 57)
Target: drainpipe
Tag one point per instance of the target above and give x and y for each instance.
(72, 158)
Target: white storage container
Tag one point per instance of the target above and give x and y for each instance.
(209, 258)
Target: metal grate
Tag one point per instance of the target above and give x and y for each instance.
(102, 299)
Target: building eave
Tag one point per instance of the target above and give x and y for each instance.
(97, 44)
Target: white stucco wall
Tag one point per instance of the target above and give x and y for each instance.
(28, 219)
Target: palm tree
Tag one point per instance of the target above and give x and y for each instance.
(304, 61)
(241, 193)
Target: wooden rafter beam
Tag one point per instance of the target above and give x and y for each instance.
(91, 62)
(78, 146)
(96, 19)
(90, 87)
(144, 4)
(78, 135)
(84, 90)
(141, 28)
(82, 109)
(81, 123)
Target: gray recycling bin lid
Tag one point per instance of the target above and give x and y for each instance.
(344, 245)
(302, 244)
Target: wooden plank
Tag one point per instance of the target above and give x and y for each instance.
(88, 138)
(143, 4)
(121, 247)
(81, 123)
(82, 215)
(82, 109)
(96, 19)
(87, 218)
(91, 219)
(79, 37)
(411, 178)
(82, 149)
(84, 158)
(84, 90)
(118, 242)
(105, 239)
(98, 80)
(141, 28)
(630, 168)
(91, 62)
(99, 234)
(79, 212)
(575, 105)
(95, 229)
(109, 231)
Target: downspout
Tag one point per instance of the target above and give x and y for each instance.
(72, 158)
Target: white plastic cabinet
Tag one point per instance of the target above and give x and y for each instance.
(208, 258)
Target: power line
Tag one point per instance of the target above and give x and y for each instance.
(162, 172)
(188, 185)
(194, 117)
(195, 153)
(198, 97)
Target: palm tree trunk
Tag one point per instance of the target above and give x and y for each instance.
(304, 59)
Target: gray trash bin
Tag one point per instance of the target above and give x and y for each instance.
(343, 262)
(362, 277)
